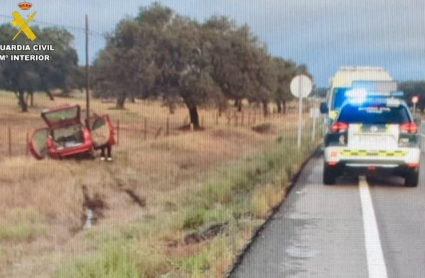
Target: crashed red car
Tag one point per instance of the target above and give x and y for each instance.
(66, 136)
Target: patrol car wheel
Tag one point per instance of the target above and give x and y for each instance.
(329, 175)
(411, 179)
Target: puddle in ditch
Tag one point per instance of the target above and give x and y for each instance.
(89, 219)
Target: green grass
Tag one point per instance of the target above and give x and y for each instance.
(110, 262)
(21, 225)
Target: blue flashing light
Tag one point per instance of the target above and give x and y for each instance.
(357, 101)
(356, 96)
(398, 94)
(356, 93)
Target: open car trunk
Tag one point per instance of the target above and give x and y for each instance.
(61, 116)
(68, 137)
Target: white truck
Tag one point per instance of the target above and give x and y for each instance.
(347, 78)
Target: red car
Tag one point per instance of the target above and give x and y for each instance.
(66, 136)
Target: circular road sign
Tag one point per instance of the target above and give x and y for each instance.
(301, 86)
(415, 99)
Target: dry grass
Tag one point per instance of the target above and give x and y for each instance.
(42, 201)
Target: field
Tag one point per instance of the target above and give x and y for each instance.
(182, 204)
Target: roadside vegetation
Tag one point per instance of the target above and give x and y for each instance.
(200, 196)
(180, 205)
(201, 231)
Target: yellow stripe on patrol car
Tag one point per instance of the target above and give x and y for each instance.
(373, 153)
(333, 114)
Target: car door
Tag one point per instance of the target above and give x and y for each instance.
(38, 143)
(102, 131)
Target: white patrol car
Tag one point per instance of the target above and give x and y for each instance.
(373, 136)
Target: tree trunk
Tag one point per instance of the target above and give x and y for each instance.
(279, 106)
(172, 107)
(131, 99)
(240, 105)
(193, 111)
(284, 107)
(265, 108)
(236, 103)
(22, 102)
(121, 100)
(30, 95)
(194, 117)
(49, 94)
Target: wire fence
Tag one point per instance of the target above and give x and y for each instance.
(15, 138)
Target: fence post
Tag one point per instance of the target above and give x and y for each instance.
(10, 141)
(118, 132)
(26, 144)
(167, 130)
(146, 129)
(158, 132)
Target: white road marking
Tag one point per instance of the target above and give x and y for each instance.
(375, 257)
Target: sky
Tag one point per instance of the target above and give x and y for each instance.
(323, 34)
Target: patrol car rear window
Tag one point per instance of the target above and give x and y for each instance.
(374, 115)
(339, 97)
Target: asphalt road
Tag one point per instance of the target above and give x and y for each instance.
(361, 227)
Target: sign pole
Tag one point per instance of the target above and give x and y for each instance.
(415, 100)
(313, 132)
(301, 86)
(414, 109)
(300, 112)
(87, 73)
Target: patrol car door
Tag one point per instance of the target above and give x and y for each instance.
(38, 143)
(102, 131)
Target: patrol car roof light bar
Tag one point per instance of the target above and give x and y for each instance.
(360, 95)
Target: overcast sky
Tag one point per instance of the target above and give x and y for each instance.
(324, 34)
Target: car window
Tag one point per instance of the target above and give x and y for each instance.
(62, 115)
(339, 97)
(374, 114)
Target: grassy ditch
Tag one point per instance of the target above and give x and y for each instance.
(21, 225)
(200, 231)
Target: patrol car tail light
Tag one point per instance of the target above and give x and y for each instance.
(339, 127)
(413, 165)
(409, 128)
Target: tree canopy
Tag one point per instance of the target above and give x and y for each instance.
(160, 54)
(28, 77)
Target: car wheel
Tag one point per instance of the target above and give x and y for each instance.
(411, 179)
(329, 175)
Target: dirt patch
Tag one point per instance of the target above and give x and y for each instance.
(140, 201)
(210, 233)
(95, 204)
(263, 128)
